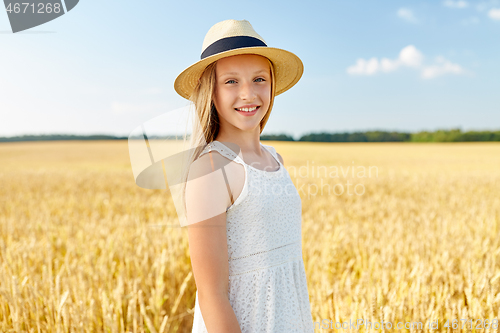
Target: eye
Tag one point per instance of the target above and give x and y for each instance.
(260, 78)
(230, 81)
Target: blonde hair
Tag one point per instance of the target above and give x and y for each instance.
(206, 129)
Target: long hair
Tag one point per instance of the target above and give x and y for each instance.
(207, 126)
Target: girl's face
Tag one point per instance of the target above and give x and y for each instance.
(242, 81)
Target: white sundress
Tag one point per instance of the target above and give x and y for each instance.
(267, 279)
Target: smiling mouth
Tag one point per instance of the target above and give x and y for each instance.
(247, 109)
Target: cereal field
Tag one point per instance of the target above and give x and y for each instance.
(393, 232)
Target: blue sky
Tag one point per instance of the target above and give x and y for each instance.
(108, 66)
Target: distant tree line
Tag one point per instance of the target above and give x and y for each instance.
(453, 135)
(375, 136)
(277, 137)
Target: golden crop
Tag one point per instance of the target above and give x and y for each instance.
(412, 237)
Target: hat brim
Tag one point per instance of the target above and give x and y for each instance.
(288, 68)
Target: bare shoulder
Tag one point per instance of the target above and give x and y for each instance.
(207, 163)
(206, 190)
(215, 162)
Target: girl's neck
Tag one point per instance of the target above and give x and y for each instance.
(247, 142)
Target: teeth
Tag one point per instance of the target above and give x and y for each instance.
(247, 109)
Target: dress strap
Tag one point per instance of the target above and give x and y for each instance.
(223, 150)
(272, 151)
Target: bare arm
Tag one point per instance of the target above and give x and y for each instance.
(206, 202)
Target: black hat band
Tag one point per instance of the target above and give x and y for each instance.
(231, 43)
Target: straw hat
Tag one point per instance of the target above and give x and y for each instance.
(232, 37)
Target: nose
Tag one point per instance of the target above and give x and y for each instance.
(246, 91)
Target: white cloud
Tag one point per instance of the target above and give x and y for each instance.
(456, 4)
(494, 13)
(407, 15)
(442, 67)
(409, 56)
(389, 65)
(364, 67)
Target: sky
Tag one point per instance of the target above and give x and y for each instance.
(106, 67)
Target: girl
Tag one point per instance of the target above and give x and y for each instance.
(243, 211)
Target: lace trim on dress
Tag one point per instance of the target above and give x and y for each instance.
(248, 255)
(264, 259)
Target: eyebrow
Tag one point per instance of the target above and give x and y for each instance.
(234, 73)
